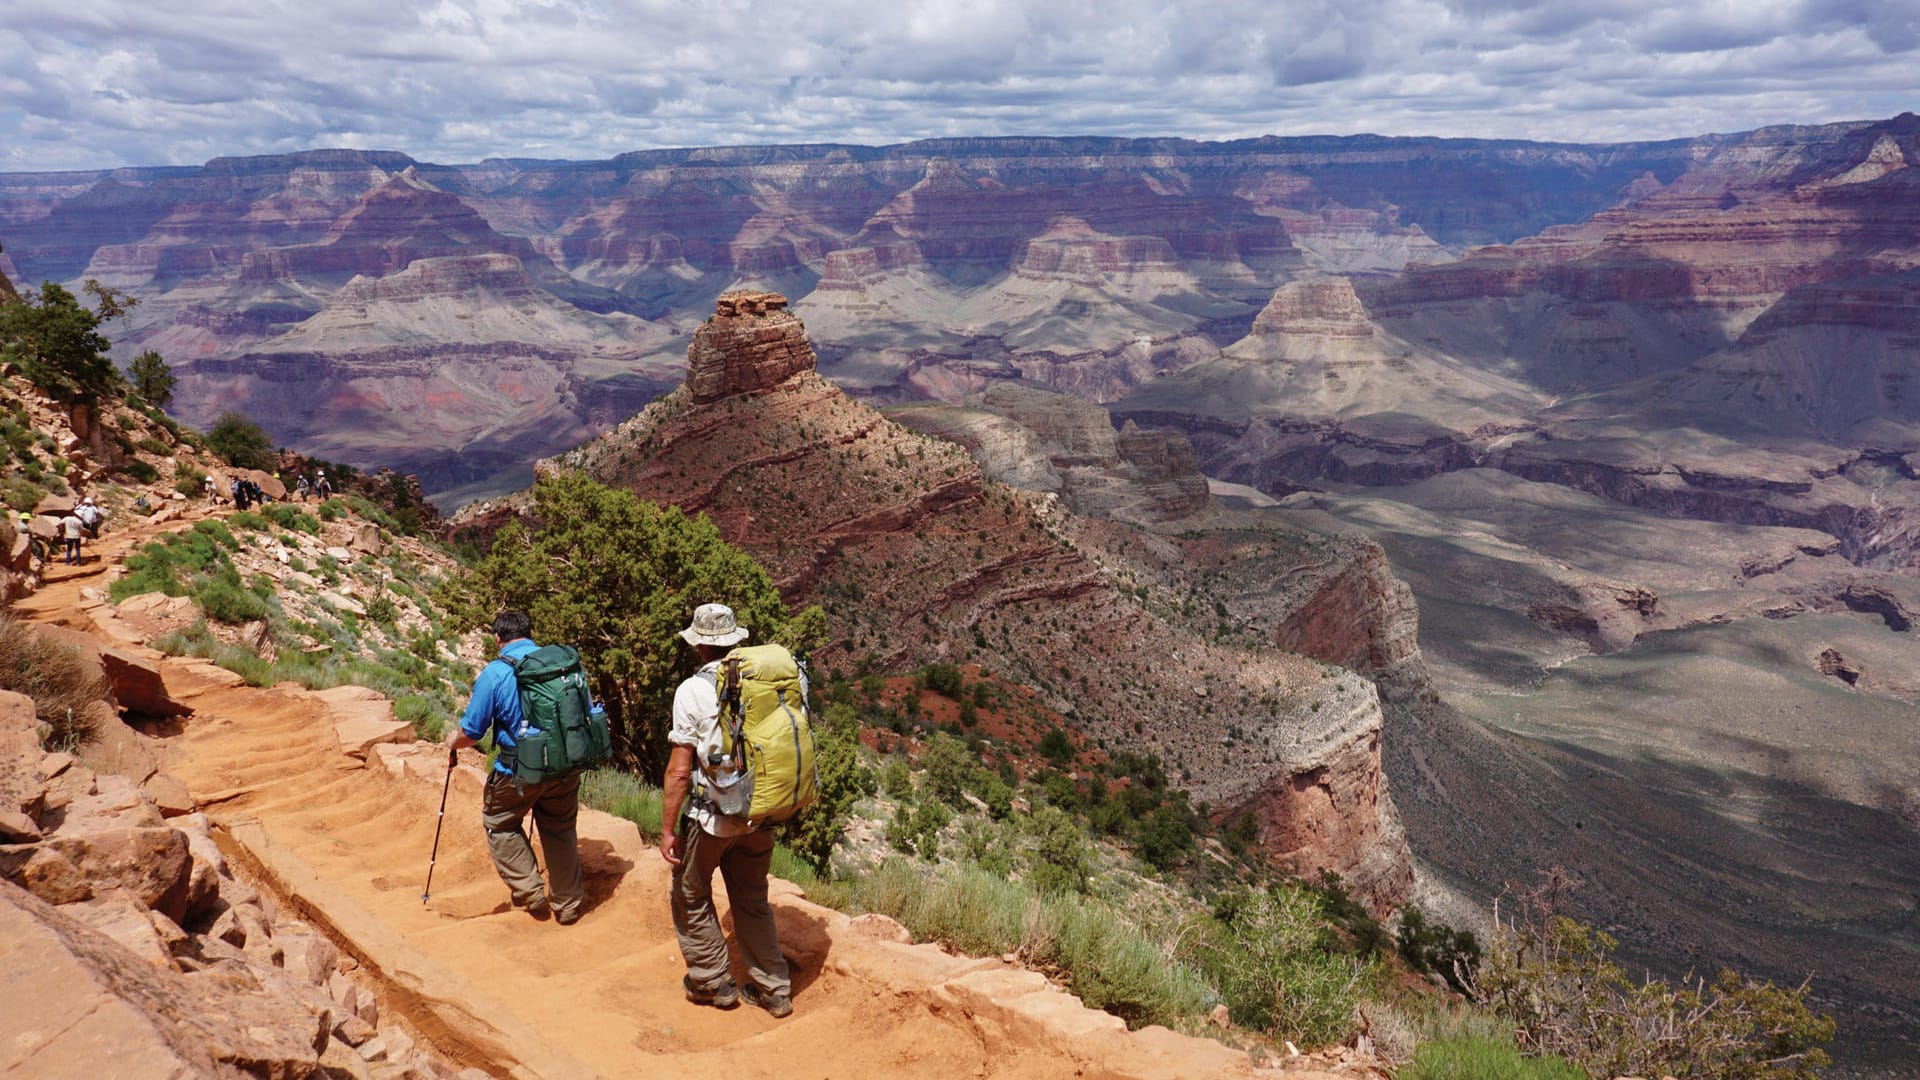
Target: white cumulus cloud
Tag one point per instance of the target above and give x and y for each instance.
(120, 82)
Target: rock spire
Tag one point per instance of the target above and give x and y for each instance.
(750, 342)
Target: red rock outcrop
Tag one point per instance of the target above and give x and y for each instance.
(751, 342)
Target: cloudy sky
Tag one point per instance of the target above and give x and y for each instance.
(128, 82)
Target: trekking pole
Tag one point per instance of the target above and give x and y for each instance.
(452, 756)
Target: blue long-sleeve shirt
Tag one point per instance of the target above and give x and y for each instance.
(496, 703)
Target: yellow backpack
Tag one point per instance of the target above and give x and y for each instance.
(763, 707)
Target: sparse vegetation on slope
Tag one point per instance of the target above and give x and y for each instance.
(64, 688)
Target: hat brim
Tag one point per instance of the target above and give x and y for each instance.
(738, 635)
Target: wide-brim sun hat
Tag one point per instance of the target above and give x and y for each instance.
(713, 624)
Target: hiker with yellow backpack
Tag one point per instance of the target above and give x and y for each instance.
(742, 761)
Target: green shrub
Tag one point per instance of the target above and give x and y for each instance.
(896, 779)
(240, 442)
(428, 721)
(791, 866)
(1056, 747)
(249, 521)
(622, 794)
(140, 470)
(1060, 854)
(1476, 1058)
(217, 532)
(1104, 956)
(188, 480)
(1452, 954)
(21, 493)
(197, 641)
(224, 599)
(947, 765)
(944, 679)
(151, 445)
(1273, 957)
(382, 610)
(292, 518)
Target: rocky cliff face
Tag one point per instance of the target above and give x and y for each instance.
(918, 557)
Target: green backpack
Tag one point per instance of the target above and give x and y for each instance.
(763, 707)
(562, 731)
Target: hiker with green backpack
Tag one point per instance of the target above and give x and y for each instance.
(548, 731)
(742, 761)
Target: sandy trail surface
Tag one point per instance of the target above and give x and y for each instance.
(346, 845)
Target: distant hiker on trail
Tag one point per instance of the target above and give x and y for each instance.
(707, 839)
(322, 486)
(212, 487)
(72, 529)
(555, 803)
(89, 515)
(300, 487)
(239, 493)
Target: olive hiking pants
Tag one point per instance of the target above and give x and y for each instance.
(742, 862)
(555, 805)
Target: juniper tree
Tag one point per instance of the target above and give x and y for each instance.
(618, 578)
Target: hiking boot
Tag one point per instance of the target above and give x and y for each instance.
(540, 910)
(723, 996)
(567, 918)
(777, 1005)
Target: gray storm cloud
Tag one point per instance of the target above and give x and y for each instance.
(114, 82)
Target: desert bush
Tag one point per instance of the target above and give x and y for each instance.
(944, 679)
(1553, 978)
(291, 518)
(1273, 956)
(63, 686)
(1056, 747)
(622, 794)
(188, 480)
(1060, 853)
(139, 470)
(1104, 957)
(382, 610)
(224, 599)
(428, 721)
(240, 442)
(1480, 1058)
(897, 779)
(947, 765)
(196, 640)
(1452, 954)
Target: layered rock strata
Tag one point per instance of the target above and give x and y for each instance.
(752, 341)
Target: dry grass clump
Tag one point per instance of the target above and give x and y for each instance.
(60, 682)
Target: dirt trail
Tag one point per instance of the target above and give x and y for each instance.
(347, 845)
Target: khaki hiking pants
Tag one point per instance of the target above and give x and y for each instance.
(742, 862)
(555, 805)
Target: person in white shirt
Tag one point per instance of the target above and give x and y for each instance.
(707, 840)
